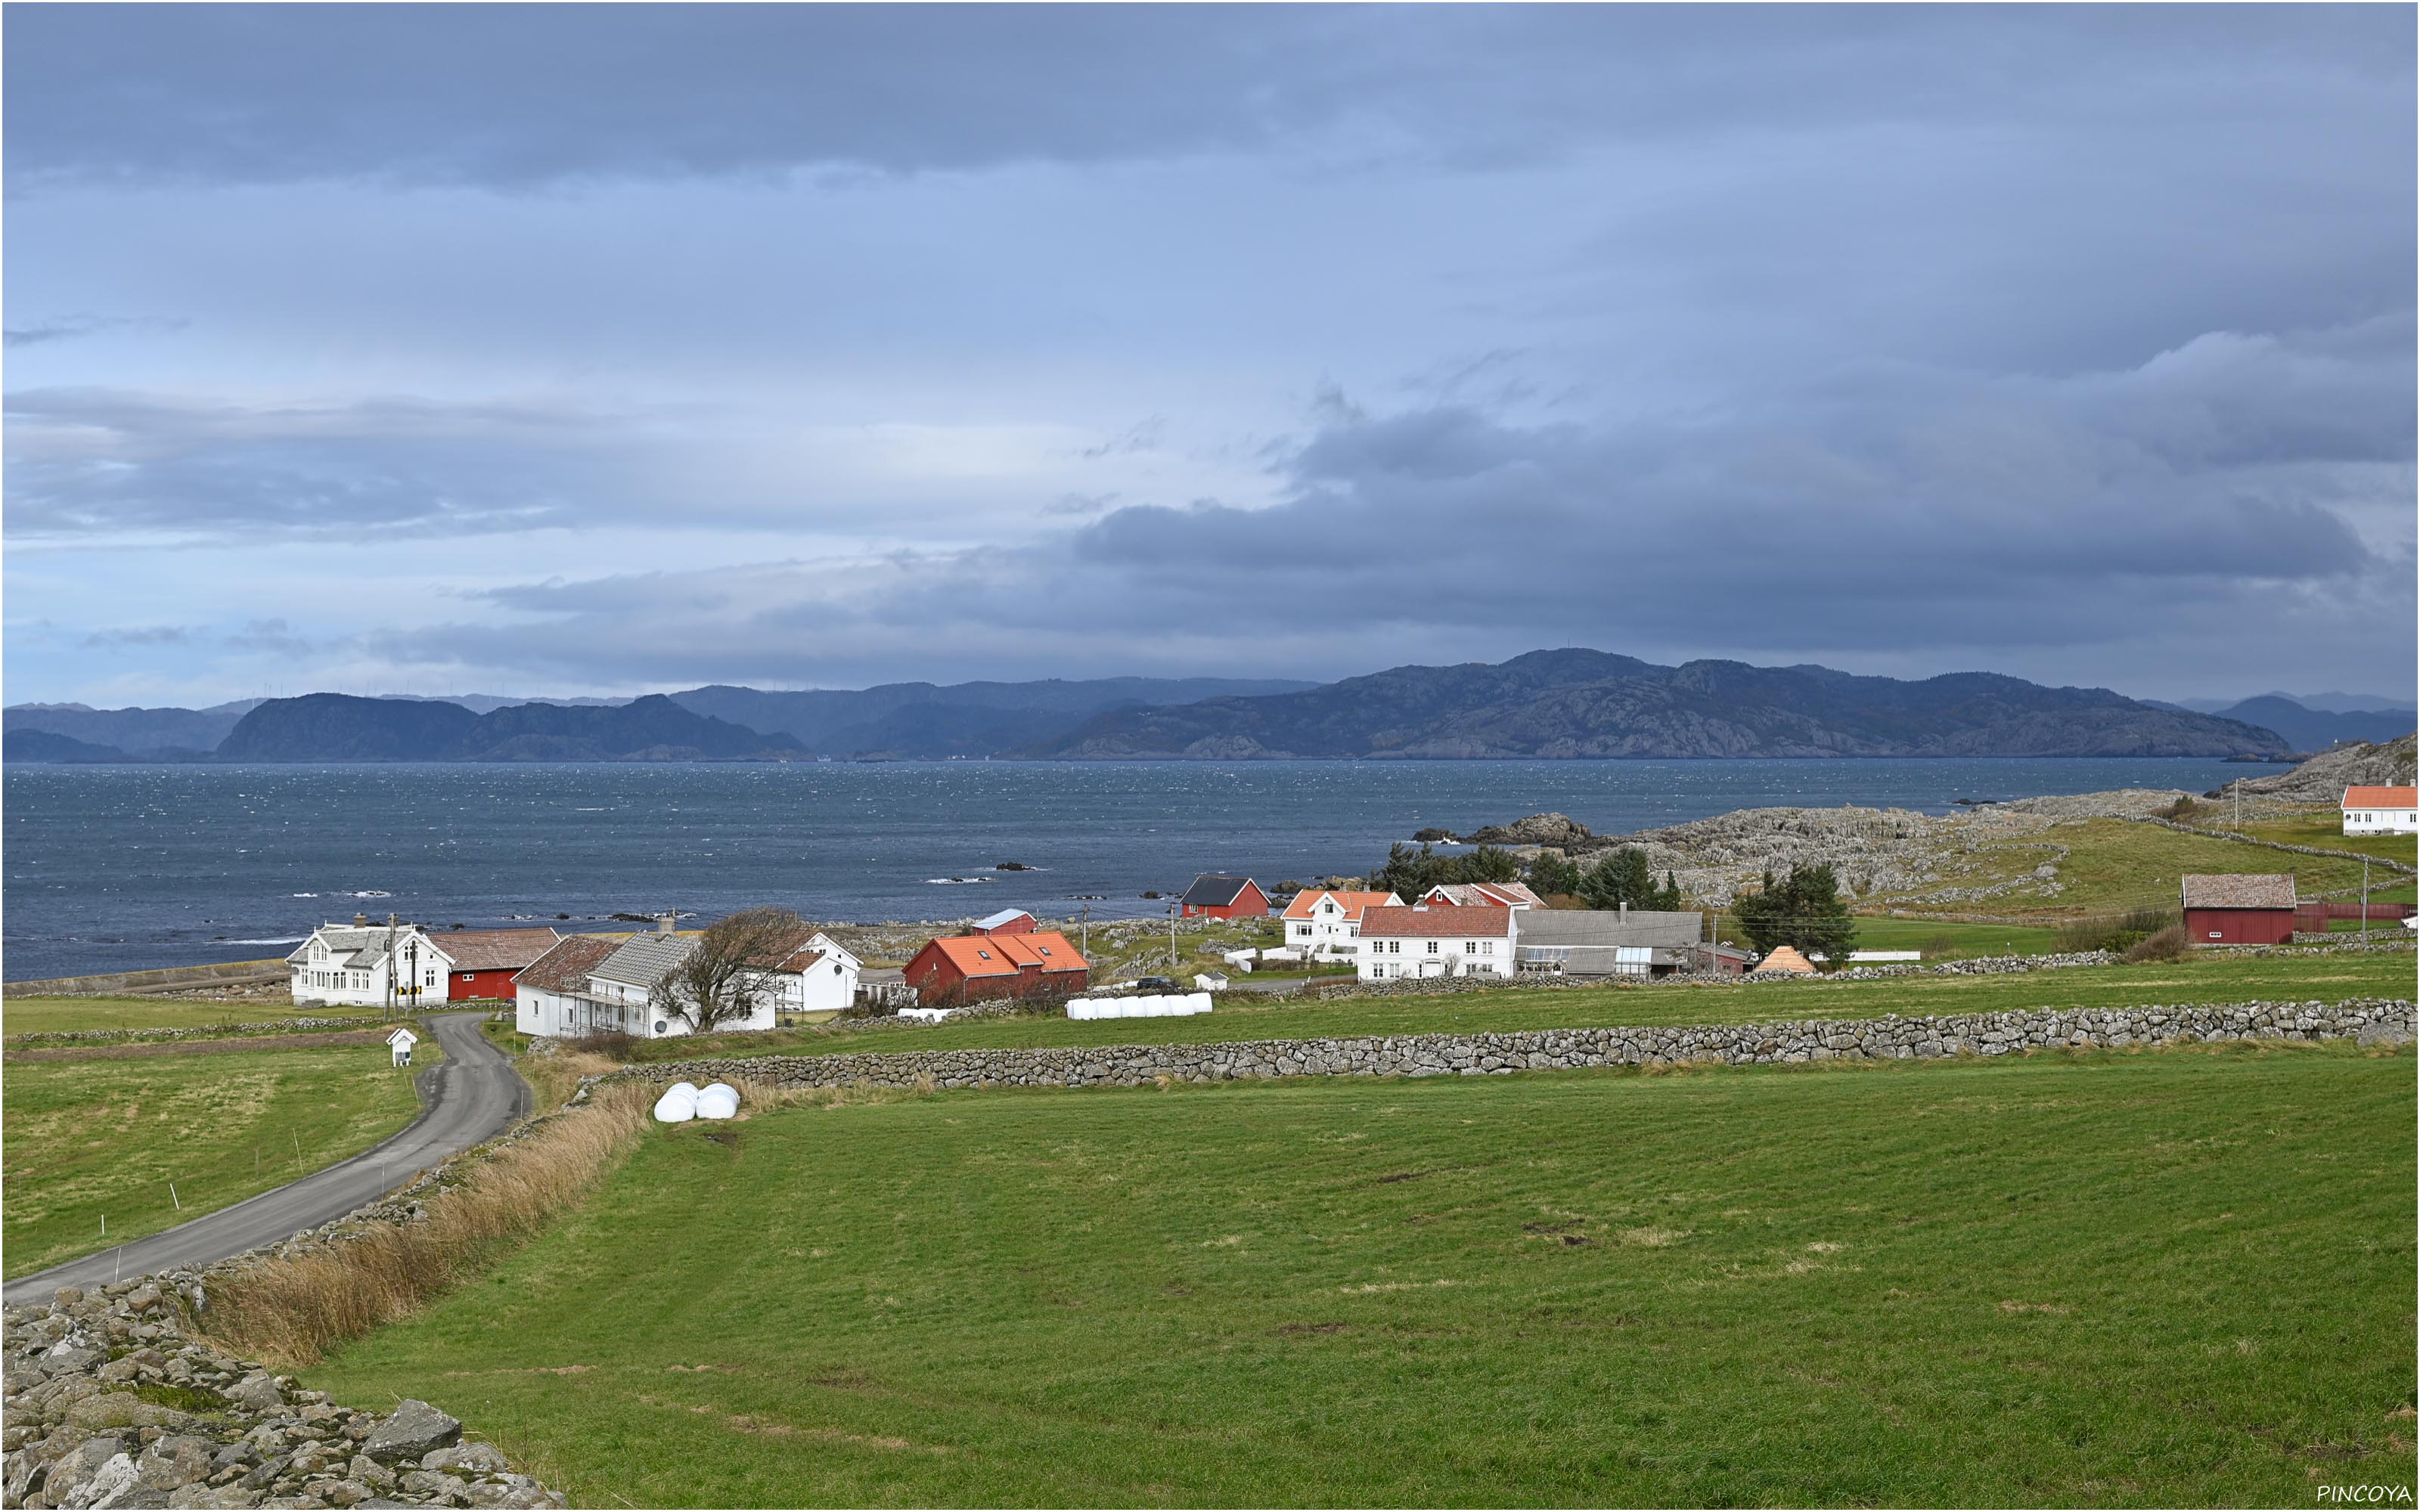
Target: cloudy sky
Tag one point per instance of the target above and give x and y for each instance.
(558, 350)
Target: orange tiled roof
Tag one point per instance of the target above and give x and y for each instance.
(1305, 903)
(1006, 955)
(1435, 922)
(2367, 797)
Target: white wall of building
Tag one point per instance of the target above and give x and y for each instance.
(321, 977)
(2381, 821)
(1384, 959)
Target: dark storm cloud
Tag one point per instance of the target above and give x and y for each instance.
(2079, 338)
(2214, 487)
(517, 95)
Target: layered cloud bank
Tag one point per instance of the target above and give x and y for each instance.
(410, 351)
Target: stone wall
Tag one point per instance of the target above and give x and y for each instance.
(1470, 1055)
(110, 1404)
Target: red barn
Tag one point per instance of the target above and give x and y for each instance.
(1224, 898)
(966, 969)
(485, 960)
(2247, 909)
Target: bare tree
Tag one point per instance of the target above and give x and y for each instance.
(730, 974)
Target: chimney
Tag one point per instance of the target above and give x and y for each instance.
(361, 921)
(1625, 912)
(664, 923)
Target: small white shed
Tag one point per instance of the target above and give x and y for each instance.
(401, 1042)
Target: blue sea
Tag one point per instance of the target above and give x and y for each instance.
(117, 868)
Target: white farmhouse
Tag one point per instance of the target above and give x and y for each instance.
(1321, 923)
(1438, 940)
(588, 985)
(362, 964)
(2381, 811)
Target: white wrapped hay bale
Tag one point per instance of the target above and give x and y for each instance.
(679, 1105)
(720, 1100)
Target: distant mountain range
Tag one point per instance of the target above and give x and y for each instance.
(2308, 727)
(1582, 704)
(1560, 704)
(898, 720)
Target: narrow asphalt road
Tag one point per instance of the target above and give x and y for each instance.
(473, 1094)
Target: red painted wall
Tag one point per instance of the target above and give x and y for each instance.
(463, 984)
(2239, 926)
(940, 983)
(1249, 903)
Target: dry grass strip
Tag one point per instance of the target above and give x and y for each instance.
(293, 1309)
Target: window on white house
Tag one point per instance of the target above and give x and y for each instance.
(1470, 946)
(1432, 947)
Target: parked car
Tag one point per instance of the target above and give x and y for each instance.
(1157, 984)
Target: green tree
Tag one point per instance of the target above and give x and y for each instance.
(1804, 909)
(1624, 877)
(1489, 863)
(1552, 874)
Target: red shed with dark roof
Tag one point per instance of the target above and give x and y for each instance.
(2256, 908)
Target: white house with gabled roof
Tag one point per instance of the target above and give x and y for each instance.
(362, 964)
(1323, 921)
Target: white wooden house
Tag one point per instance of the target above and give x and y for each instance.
(1438, 940)
(362, 964)
(1322, 923)
(2381, 811)
(588, 985)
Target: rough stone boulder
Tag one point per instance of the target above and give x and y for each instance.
(1559, 831)
(415, 1429)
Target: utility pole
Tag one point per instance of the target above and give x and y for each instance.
(1172, 934)
(2364, 902)
(390, 966)
(1084, 933)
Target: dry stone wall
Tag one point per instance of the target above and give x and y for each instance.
(1472, 1055)
(109, 1404)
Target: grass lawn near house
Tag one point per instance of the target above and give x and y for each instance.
(2180, 1277)
(2298, 976)
(2325, 828)
(2113, 865)
(105, 1136)
(51, 1015)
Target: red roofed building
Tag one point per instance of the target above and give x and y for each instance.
(1444, 940)
(967, 968)
(2381, 811)
(485, 960)
(2246, 909)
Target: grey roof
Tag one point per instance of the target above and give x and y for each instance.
(360, 948)
(1214, 893)
(1004, 915)
(1605, 926)
(644, 960)
(2249, 890)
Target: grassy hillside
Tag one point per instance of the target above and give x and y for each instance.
(105, 1136)
(2109, 866)
(47, 1015)
(1248, 1016)
(2181, 1277)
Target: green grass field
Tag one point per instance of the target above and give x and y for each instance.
(2324, 829)
(51, 1015)
(2113, 866)
(1940, 939)
(1247, 1016)
(89, 1138)
(2165, 1278)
